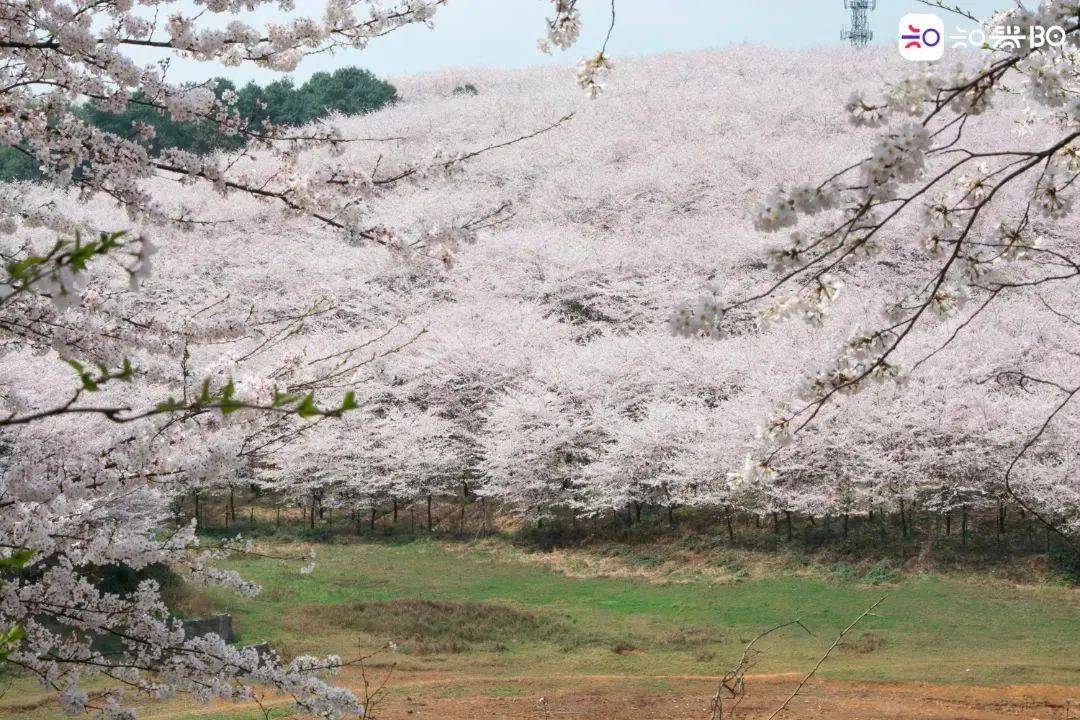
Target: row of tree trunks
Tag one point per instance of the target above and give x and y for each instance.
(905, 517)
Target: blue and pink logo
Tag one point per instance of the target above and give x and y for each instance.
(921, 36)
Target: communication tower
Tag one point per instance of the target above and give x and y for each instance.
(859, 33)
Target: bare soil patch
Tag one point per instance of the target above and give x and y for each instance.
(615, 697)
(434, 626)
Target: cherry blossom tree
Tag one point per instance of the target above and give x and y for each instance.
(992, 225)
(127, 386)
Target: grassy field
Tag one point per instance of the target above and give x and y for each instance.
(487, 610)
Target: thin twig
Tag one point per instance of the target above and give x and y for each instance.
(824, 657)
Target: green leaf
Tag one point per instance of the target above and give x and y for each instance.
(226, 402)
(88, 382)
(19, 268)
(349, 402)
(168, 406)
(16, 560)
(281, 399)
(307, 407)
(10, 639)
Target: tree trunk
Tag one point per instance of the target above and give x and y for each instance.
(232, 503)
(671, 515)
(964, 527)
(787, 519)
(198, 519)
(948, 524)
(371, 521)
(311, 515)
(776, 523)
(1001, 518)
(464, 499)
(845, 525)
(395, 511)
(277, 518)
(429, 522)
(730, 526)
(903, 519)
(637, 512)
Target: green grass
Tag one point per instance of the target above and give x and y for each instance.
(498, 616)
(930, 628)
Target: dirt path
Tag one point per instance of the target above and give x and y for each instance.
(431, 695)
(618, 697)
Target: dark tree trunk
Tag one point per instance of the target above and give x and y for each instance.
(198, 518)
(948, 524)
(964, 527)
(671, 515)
(464, 499)
(637, 512)
(430, 524)
(845, 525)
(1001, 518)
(787, 519)
(232, 503)
(903, 519)
(395, 511)
(730, 526)
(776, 523)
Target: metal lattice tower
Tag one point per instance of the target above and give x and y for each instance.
(859, 33)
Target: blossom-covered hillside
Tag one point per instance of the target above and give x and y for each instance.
(525, 353)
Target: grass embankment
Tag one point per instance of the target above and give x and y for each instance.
(486, 610)
(930, 628)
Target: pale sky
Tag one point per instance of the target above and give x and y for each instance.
(503, 33)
